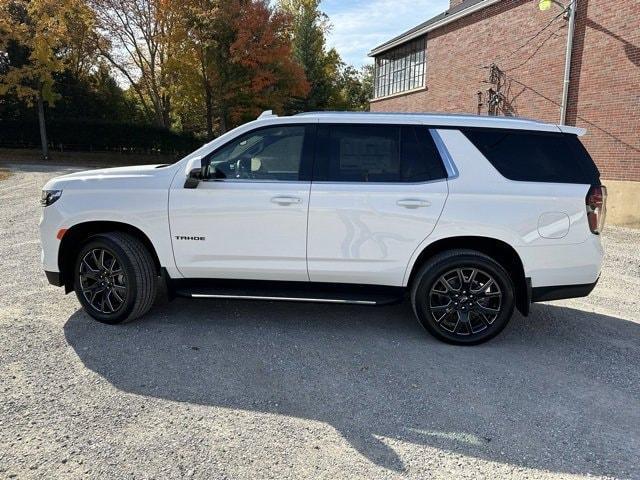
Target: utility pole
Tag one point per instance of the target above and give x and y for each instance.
(571, 8)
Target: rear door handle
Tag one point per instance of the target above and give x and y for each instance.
(285, 200)
(413, 203)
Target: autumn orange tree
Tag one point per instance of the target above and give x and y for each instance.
(262, 72)
(234, 61)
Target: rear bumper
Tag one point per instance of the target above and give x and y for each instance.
(559, 292)
(54, 278)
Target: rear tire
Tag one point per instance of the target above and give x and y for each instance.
(115, 278)
(463, 297)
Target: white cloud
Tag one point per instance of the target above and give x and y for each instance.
(360, 25)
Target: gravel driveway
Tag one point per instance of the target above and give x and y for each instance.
(229, 389)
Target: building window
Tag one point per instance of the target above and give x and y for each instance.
(401, 69)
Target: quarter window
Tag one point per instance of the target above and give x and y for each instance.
(401, 69)
(535, 156)
(376, 153)
(273, 153)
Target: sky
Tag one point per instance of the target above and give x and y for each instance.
(360, 25)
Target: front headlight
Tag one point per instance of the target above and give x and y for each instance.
(49, 197)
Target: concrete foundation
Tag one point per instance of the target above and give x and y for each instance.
(623, 203)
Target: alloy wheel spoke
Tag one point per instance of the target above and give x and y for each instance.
(483, 319)
(102, 281)
(440, 307)
(91, 275)
(117, 295)
(455, 328)
(484, 309)
(485, 287)
(108, 299)
(86, 264)
(465, 301)
(447, 285)
(472, 277)
(92, 288)
(96, 262)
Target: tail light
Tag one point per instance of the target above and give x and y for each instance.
(596, 208)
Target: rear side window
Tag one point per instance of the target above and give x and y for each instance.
(376, 153)
(535, 156)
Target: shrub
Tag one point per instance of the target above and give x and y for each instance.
(79, 135)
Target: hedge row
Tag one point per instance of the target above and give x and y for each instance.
(96, 136)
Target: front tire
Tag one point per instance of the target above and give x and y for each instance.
(463, 297)
(114, 278)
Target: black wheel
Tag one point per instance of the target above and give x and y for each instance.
(115, 278)
(463, 297)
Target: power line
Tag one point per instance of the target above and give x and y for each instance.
(532, 38)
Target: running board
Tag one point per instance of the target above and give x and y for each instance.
(287, 291)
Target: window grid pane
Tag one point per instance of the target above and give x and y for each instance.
(401, 69)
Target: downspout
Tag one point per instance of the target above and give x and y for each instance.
(567, 61)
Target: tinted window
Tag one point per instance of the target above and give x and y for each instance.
(376, 153)
(273, 153)
(420, 158)
(535, 156)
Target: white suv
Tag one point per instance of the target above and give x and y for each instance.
(470, 216)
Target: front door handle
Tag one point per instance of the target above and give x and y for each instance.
(413, 203)
(285, 200)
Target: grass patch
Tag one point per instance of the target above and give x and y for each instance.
(4, 174)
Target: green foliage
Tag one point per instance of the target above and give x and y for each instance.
(333, 84)
(321, 66)
(356, 87)
(38, 38)
(196, 66)
(234, 60)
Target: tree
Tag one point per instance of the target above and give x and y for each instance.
(308, 32)
(36, 38)
(193, 66)
(140, 48)
(92, 96)
(356, 87)
(263, 74)
(235, 59)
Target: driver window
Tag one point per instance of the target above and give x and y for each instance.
(272, 153)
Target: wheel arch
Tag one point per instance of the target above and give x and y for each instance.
(499, 250)
(79, 233)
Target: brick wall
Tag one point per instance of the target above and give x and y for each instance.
(604, 92)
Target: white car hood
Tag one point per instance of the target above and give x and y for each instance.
(114, 172)
(111, 176)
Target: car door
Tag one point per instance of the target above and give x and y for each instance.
(248, 218)
(377, 193)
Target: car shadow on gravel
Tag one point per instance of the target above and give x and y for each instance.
(556, 391)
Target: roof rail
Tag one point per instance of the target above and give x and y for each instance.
(267, 114)
(422, 114)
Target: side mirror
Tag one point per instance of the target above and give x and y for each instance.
(195, 172)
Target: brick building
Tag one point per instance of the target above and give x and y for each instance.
(507, 57)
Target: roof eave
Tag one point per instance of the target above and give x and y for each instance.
(418, 33)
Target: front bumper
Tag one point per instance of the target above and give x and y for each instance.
(54, 278)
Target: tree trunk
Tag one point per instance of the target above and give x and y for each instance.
(223, 121)
(43, 128)
(208, 102)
